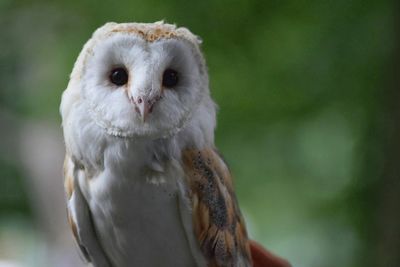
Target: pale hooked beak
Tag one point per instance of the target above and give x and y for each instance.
(144, 106)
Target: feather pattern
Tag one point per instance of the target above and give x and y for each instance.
(79, 217)
(217, 220)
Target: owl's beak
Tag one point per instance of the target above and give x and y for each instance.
(144, 106)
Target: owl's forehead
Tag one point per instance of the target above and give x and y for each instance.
(113, 34)
(149, 32)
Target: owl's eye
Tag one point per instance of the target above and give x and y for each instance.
(170, 78)
(119, 76)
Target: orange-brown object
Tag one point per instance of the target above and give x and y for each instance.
(263, 258)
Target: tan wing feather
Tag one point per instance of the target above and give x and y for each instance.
(68, 177)
(69, 190)
(217, 220)
(80, 218)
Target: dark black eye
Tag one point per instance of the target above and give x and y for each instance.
(119, 76)
(170, 78)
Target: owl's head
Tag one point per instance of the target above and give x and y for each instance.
(139, 79)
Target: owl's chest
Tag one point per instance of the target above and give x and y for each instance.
(137, 215)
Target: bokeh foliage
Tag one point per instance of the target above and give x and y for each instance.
(301, 86)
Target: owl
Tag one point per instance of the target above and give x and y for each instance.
(145, 185)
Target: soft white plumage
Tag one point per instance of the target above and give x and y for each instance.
(132, 201)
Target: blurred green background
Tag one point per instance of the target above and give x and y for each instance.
(308, 120)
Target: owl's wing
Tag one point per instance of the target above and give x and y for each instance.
(80, 219)
(218, 224)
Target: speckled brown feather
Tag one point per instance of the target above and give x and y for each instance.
(217, 220)
(150, 35)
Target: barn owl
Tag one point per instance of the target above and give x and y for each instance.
(145, 184)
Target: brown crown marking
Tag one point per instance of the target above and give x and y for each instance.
(150, 35)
